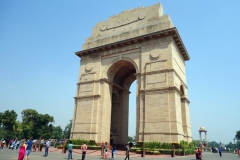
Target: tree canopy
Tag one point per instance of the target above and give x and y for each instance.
(56, 133)
(36, 125)
(237, 136)
(8, 119)
(67, 130)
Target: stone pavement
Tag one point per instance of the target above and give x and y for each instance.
(55, 154)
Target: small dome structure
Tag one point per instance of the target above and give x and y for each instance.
(202, 129)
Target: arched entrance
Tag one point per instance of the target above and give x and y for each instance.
(119, 52)
(122, 74)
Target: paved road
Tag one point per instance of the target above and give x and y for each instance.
(8, 154)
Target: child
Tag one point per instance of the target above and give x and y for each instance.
(113, 152)
(106, 154)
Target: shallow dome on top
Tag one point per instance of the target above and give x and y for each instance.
(202, 129)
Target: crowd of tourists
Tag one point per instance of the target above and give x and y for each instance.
(26, 146)
(105, 152)
(198, 152)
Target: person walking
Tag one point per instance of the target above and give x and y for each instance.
(127, 151)
(70, 147)
(22, 150)
(1, 144)
(84, 150)
(104, 148)
(114, 150)
(199, 154)
(220, 151)
(14, 144)
(46, 148)
(10, 144)
(18, 143)
(28, 148)
(238, 152)
(7, 142)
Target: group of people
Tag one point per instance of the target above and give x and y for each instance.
(11, 144)
(105, 153)
(70, 148)
(198, 152)
(26, 146)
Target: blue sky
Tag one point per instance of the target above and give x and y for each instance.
(39, 70)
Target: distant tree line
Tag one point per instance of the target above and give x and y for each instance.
(231, 145)
(33, 124)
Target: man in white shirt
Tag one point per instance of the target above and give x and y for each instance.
(46, 148)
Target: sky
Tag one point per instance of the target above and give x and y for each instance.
(39, 69)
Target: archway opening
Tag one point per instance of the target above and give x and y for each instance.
(122, 75)
(132, 112)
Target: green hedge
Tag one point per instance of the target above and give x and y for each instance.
(183, 148)
(81, 141)
(77, 143)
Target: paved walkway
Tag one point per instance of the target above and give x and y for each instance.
(55, 154)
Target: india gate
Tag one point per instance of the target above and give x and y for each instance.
(139, 45)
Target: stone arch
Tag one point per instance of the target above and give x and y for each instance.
(104, 75)
(159, 93)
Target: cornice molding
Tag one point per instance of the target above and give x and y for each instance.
(88, 96)
(136, 42)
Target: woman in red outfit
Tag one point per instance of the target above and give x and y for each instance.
(22, 150)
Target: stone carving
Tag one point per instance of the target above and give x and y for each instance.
(154, 55)
(121, 21)
(136, 45)
(88, 67)
(126, 47)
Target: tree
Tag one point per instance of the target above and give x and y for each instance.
(29, 118)
(238, 144)
(196, 142)
(230, 145)
(8, 119)
(36, 125)
(67, 130)
(7, 123)
(57, 133)
(237, 136)
(43, 126)
(18, 129)
(213, 144)
(131, 139)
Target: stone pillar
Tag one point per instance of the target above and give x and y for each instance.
(186, 118)
(104, 114)
(206, 138)
(200, 137)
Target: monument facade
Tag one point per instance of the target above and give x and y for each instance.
(143, 45)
